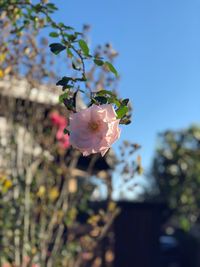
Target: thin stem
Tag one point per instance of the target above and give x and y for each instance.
(62, 34)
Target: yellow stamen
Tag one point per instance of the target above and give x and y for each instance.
(93, 126)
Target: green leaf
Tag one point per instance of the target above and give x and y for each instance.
(53, 34)
(62, 97)
(84, 47)
(69, 53)
(65, 131)
(71, 37)
(93, 101)
(115, 101)
(84, 78)
(53, 24)
(111, 97)
(62, 25)
(64, 81)
(79, 33)
(111, 68)
(101, 99)
(75, 67)
(69, 103)
(121, 111)
(98, 62)
(125, 101)
(51, 6)
(38, 8)
(125, 121)
(26, 22)
(105, 92)
(56, 48)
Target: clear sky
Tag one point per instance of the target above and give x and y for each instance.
(159, 61)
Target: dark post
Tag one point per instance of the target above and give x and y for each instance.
(137, 231)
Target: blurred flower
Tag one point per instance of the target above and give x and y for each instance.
(33, 250)
(6, 264)
(53, 193)
(26, 260)
(1, 73)
(87, 256)
(62, 137)
(2, 57)
(57, 119)
(94, 219)
(97, 262)
(7, 184)
(109, 256)
(112, 206)
(61, 123)
(94, 129)
(41, 191)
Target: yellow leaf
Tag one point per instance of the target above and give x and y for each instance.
(111, 206)
(1, 73)
(2, 178)
(72, 213)
(93, 220)
(7, 184)
(34, 250)
(41, 191)
(140, 170)
(54, 193)
(2, 57)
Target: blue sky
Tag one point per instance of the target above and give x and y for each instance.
(159, 61)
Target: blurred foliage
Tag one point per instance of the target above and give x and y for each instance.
(176, 170)
(45, 216)
(25, 14)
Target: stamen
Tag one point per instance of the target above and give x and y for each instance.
(93, 126)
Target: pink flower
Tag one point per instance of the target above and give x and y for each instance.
(26, 259)
(62, 138)
(61, 123)
(94, 129)
(57, 119)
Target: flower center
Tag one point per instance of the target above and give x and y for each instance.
(93, 126)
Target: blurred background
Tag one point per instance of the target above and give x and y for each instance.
(140, 204)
